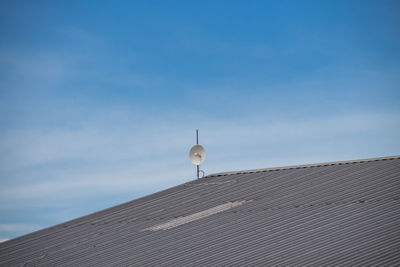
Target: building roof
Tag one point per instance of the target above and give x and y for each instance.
(341, 213)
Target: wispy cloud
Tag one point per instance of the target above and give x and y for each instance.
(111, 157)
(18, 227)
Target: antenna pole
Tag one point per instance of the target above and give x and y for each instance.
(197, 142)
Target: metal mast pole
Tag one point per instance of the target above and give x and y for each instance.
(197, 142)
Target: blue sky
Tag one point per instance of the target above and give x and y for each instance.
(99, 100)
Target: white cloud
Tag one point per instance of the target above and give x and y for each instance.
(18, 227)
(111, 157)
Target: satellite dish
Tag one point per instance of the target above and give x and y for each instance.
(197, 154)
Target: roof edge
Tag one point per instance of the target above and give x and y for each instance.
(304, 166)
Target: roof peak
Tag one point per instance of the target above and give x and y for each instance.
(304, 166)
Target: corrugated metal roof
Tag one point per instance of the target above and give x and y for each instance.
(342, 214)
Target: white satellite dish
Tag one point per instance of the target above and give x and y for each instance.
(197, 154)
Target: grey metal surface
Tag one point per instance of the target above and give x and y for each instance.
(339, 214)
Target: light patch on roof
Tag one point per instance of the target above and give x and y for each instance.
(196, 216)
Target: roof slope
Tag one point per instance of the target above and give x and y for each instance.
(343, 213)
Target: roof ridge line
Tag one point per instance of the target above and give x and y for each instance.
(304, 166)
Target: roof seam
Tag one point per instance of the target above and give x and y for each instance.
(303, 166)
(321, 204)
(293, 206)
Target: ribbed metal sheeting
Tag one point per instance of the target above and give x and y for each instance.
(345, 214)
